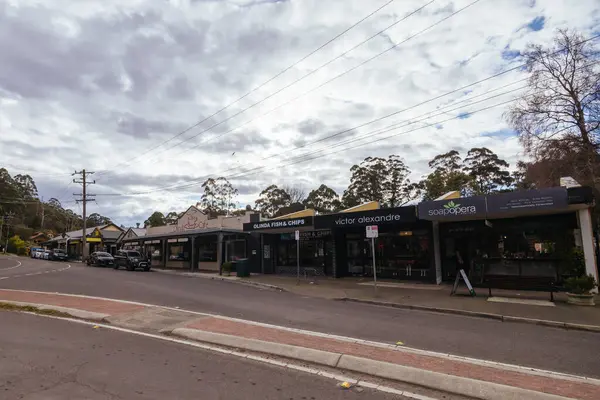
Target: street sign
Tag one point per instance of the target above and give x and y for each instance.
(297, 235)
(372, 231)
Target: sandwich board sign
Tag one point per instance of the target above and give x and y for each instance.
(464, 277)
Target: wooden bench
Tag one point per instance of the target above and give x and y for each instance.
(532, 283)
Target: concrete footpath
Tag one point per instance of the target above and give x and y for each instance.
(469, 377)
(508, 305)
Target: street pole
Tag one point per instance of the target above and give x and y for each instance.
(85, 197)
(297, 257)
(374, 268)
(1, 228)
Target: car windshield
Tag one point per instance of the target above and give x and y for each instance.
(133, 254)
(103, 255)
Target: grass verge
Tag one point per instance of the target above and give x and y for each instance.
(32, 309)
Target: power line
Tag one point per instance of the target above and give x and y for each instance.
(321, 85)
(441, 111)
(283, 71)
(172, 187)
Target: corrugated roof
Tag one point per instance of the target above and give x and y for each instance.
(190, 232)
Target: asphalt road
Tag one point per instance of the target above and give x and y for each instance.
(529, 345)
(43, 358)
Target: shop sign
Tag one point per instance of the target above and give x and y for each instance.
(372, 231)
(278, 224)
(528, 200)
(461, 208)
(372, 217)
(306, 235)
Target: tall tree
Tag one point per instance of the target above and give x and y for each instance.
(156, 219)
(26, 186)
(487, 171)
(378, 179)
(96, 219)
(218, 197)
(558, 120)
(271, 200)
(297, 193)
(323, 200)
(171, 218)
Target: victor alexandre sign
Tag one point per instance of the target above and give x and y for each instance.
(373, 217)
(278, 224)
(454, 209)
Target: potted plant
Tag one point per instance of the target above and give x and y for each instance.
(580, 290)
(226, 268)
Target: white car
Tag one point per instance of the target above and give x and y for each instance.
(46, 255)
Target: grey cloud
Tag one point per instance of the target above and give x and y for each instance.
(127, 182)
(237, 142)
(247, 188)
(311, 127)
(180, 88)
(135, 126)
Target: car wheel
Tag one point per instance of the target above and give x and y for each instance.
(146, 269)
(116, 266)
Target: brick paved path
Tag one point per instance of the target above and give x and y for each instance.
(556, 386)
(80, 303)
(571, 388)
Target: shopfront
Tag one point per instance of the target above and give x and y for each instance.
(518, 234)
(403, 249)
(280, 248)
(197, 250)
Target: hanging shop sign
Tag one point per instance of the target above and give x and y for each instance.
(526, 201)
(454, 209)
(379, 217)
(306, 235)
(293, 223)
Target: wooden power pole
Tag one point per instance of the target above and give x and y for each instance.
(84, 197)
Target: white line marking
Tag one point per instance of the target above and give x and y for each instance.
(19, 263)
(475, 361)
(250, 357)
(33, 274)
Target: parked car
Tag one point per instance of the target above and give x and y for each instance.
(101, 259)
(58, 255)
(131, 259)
(36, 252)
(46, 254)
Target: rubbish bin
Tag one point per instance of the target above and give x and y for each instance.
(242, 268)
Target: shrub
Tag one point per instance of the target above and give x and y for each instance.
(226, 267)
(581, 285)
(16, 245)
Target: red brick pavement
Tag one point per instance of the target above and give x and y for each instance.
(560, 387)
(80, 303)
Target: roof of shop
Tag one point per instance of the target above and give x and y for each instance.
(191, 232)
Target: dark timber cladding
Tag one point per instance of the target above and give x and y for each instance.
(384, 216)
(278, 224)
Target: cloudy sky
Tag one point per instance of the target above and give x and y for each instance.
(110, 85)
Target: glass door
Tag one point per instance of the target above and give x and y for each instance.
(358, 253)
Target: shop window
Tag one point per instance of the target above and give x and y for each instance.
(179, 252)
(286, 253)
(207, 251)
(236, 249)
